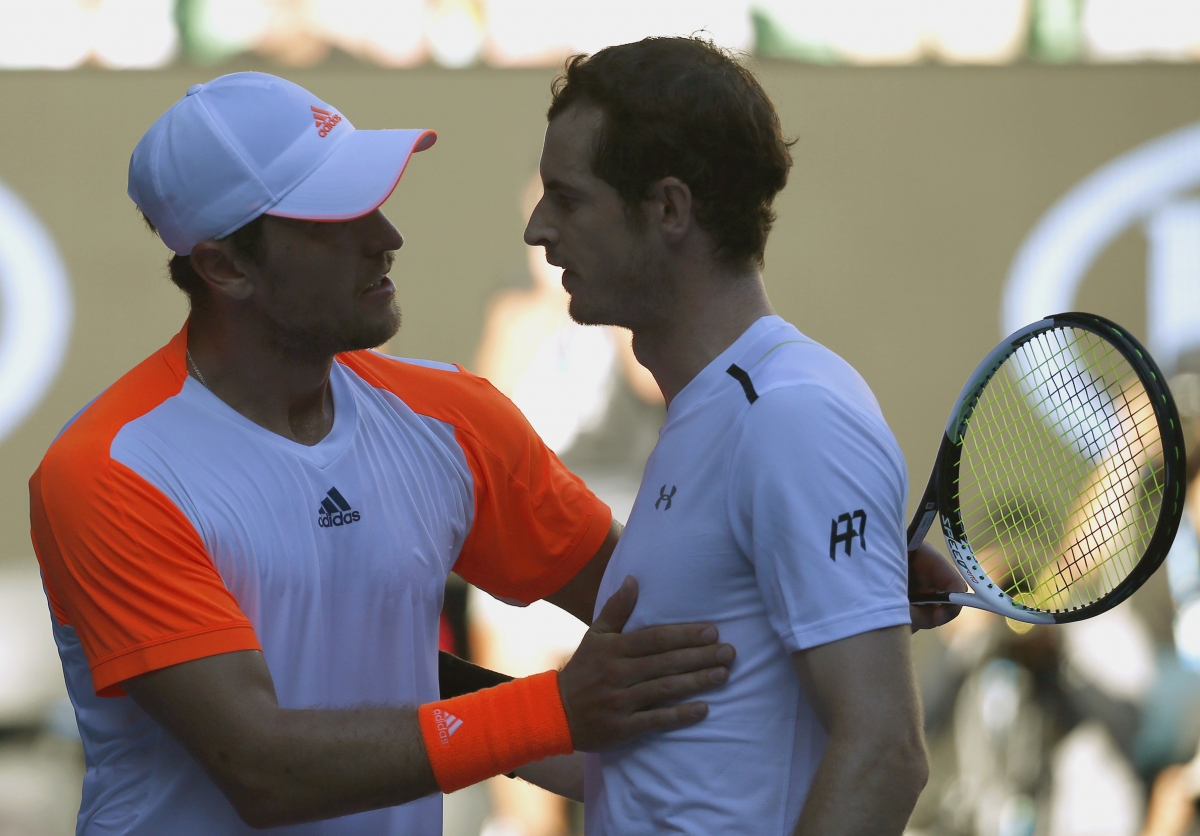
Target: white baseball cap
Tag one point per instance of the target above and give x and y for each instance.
(246, 144)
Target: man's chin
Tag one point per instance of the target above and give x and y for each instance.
(316, 343)
(374, 334)
(586, 314)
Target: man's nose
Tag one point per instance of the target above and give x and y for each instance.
(538, 233)
(381, 234)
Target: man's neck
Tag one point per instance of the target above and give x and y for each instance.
(711, 310)
(288, 396)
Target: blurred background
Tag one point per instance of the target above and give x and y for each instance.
(962, 167)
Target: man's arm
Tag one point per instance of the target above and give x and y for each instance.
(578, 596)
(278, 766)
(874, 766)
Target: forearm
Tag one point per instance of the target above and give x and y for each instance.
(304, 765)
(279, 765)
(862, 788)
(561, 775)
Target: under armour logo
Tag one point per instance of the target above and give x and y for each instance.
(663, 496)
(836, 535)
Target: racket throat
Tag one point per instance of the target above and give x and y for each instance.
(982, 602)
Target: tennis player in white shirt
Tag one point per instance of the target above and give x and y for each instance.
(774, 503)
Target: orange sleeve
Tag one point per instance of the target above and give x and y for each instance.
(536, 523)
(127, 570)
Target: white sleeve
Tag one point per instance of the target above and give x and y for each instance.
(817, 500)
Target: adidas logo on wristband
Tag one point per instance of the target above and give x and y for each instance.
(447, 724)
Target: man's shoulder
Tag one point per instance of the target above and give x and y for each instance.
(442, 391)
(806, 394)
(807, 375)
(428, 387)
(83, 446)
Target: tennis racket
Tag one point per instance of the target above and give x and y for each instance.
(1060, 478)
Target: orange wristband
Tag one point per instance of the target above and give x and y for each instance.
(493, 731)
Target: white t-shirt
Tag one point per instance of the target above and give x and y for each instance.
(773, 506)
(171, 528)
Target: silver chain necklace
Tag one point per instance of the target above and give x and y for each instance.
(195, 369)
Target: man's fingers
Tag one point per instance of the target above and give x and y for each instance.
(928, 616)
(671, 688)
(688, 660)
(665, 638)
(615, 686)
(947, 613)
(618, 608)
(930, 572)
(665, 719)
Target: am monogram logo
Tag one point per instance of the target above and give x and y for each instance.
(837, 535)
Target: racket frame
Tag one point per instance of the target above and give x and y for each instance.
(940, 497)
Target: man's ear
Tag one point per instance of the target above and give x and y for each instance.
(671, 200)
(214, 262)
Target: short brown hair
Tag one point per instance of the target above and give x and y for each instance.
(247, 240)
(686, 108)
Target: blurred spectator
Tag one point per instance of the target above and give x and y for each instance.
(561, 374)
(1172, 807)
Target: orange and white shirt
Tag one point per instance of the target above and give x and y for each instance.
(170, 528)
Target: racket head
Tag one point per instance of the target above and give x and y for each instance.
(1061, 476)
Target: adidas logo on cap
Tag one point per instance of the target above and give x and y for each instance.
(336, 511)
(447, 724)
(325, 120)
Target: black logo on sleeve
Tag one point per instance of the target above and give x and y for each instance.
(663, 496)
(839, 535)
(336, 511)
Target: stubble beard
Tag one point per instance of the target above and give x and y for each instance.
(317, 342)
(635, 296)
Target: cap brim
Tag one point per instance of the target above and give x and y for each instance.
(356, 178)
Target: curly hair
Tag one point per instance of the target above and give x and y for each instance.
(686, 108)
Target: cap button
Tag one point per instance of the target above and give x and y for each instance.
(194, 89)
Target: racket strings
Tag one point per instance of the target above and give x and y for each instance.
(1089, 441)
(1058, 492)
(1105, 519)
(1102, 528)
(1116, 519)
(1004, 435)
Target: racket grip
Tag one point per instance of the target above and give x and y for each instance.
(961, 599)
(931, 598)
(927, 510)
(920, 526)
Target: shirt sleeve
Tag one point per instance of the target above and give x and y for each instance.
(817, 500)
(536, 524)
(129, 573)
